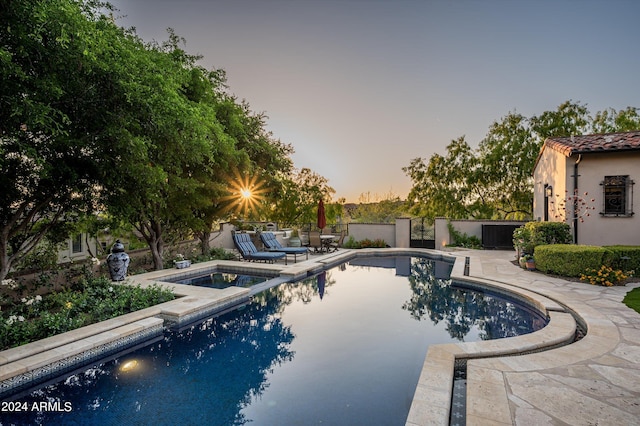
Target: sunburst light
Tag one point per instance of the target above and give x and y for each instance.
(246, 194)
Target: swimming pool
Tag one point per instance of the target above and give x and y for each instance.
(220, 280)
(343, 347)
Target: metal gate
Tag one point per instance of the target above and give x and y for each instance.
(422, 236)
(498, 236)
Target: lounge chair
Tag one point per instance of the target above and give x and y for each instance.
(248, 250)
(273, 245)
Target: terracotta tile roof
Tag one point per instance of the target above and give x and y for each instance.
(608, 142)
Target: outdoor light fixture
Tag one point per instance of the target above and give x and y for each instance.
(548, 191)
(129, 366)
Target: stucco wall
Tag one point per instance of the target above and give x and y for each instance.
(373, 231)
(469, 227)
(557, 170)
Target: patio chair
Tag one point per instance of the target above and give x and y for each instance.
(248, 250)
(315, 241)
(336, 244)
(273, 245)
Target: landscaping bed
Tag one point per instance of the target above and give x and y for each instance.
(26, 317)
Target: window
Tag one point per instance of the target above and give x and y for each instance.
(618, 196)
(76, 244)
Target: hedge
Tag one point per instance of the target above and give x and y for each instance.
(572, 260)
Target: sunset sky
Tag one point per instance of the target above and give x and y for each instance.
(359, 88)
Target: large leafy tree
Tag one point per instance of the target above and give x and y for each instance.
(298, 197)
(56, 85)
(257, 165)
(610, 120)
(172, 123)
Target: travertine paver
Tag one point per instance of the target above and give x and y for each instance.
(595, 381)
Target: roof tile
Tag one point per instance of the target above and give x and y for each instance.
(607, 142)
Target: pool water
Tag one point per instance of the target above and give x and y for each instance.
(344, 347)
(221, 280)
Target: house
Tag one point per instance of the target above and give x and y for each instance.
(78, 247)
(588, 181)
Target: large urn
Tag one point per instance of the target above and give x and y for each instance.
(118, 262)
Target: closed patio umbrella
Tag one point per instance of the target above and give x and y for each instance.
(322, 219)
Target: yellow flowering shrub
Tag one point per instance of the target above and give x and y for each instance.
(605, 276)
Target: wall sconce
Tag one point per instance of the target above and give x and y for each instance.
(548, 191)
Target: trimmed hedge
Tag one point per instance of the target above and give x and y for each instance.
(570, 260)
(630, 264)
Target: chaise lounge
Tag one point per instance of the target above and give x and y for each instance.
(273, 245)
(248, 250)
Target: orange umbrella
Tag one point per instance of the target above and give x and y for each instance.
(322, 219)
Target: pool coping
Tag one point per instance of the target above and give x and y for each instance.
(488, 397)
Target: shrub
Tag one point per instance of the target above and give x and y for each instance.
(625, 257)
(461, 239)
(606, 276)
(532, 234)
(366, 243)
(570, 260)
(87, 301)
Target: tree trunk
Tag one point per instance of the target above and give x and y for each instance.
(152, 233)
(205, 247)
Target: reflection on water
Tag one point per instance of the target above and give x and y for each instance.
(462, 310)
(343, 347)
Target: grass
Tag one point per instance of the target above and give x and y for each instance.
(632, 299)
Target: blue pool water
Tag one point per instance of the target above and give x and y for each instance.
(344, 347)
(221, 280)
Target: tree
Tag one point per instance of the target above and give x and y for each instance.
(610, 120)
(172, 122)
(298, 199)
(378, 209)
(445, 186)
(53, 129)
(507, 156)
(569, 119)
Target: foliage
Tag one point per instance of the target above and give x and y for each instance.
(610, 120)
(461, 239)
(89, 301)
(632, 299)
(93, 117)
(378, 209)
(351, 243)
(522, 240)
(532, 234)
(494, 181)
(56, 118)
(605, 276)
(570, 260)
(625, 257)
(298, 197)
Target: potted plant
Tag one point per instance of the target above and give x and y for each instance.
(530, 262)
(522, 261)
(180, 262)
(294, 239)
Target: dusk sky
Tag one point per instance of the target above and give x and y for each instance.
(359, 88)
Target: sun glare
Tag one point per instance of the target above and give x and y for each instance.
(245, 194)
